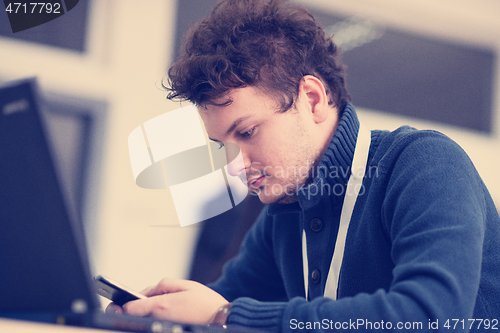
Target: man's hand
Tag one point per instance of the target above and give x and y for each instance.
(176, 300)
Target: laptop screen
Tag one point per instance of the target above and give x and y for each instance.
(43, 263)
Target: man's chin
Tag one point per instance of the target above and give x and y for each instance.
(269, 199)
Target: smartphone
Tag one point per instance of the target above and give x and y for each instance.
(114, 291)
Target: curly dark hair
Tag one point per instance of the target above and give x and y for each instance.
(268, 44)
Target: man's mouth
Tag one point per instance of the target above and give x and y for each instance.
(255, 183)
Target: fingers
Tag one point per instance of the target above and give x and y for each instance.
(157, 306)
(114, 308)
(140, 307)
(177, 300)
(167, 285)
(152, 305)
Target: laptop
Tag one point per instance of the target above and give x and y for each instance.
(44, 267)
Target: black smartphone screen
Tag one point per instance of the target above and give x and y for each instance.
(115, 292)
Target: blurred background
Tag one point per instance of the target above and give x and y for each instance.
(426, 63)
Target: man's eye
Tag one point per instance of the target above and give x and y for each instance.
(247, 134)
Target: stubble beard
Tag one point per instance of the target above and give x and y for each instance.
(293, 185)
(290, 186)
(308, 156)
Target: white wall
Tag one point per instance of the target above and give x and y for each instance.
(129, 47)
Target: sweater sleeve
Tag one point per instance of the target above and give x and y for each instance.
(434, 213)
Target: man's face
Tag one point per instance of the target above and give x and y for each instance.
(278, 149)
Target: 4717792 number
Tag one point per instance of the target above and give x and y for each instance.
(471, 324)
(33, 8)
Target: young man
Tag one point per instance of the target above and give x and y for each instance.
(361, 230)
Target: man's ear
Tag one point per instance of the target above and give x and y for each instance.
(314, 94)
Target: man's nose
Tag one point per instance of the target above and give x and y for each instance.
(235, 159)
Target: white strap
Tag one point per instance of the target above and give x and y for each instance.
(358, 169)
(305, 264)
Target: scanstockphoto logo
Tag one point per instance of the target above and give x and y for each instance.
(309, 180)
(24, 15)
(171, 150)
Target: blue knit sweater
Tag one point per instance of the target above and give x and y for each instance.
(422, 248)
